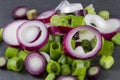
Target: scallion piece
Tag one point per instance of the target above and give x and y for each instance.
(15, 64)
(62, 59)
(104, 14)
(1, 30)
(82, 74)
(55, 50)
(53, 67)
(11, 52)
(69, 60)
(106, 62)
(22, 54)
(50, 76)
(65, 69)
(116, 39)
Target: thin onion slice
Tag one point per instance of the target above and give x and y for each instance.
(45, 16)
(10, 33)
(36, 44)
(81, 55)
(67, 78)
(35, 63)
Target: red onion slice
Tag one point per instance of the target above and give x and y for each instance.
(10, 33)
(35, 63)
(45, 16)
(39, 42)
(46, 55)
(67, 78)
(81, 55)
(60, 30)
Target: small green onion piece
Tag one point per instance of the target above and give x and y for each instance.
(106, 62)
(90, 9)
(116, 39)
(93, 42)
(107, 48)
(55, 38)
(87, 63)
(11, 52)
(50, 76)
(62, 59)
(31, 14)
(65, 69)
(69, 60)
(86, 44)
(22, 54)
(77, 65)
(45, 48)
(54, 20)
(15, 64)
(73, 43)
(53, 67)
(104, 14)
(63, 22)
(1, 30)
(82, 74)
(55, 50)
(76, 21)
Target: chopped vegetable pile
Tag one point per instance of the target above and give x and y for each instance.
(62, 42)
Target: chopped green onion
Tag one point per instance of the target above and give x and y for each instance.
(86, 44)
(55, 50)
(69, 60)
(11, 52)
(45, 48)
(15, 64)
(77, 65)
(62, 59)
(82, 74)
(77, 21)
(87, 63)
(54, 20)
(107, 48)
(104, 14)
(22, 54)
(106, 62)
(1, 30)
(31, 14)
(116, 39)
(65, 69)
(90, 9)
(50, 76)
(53, 67)
(55, 38)
(73, 43)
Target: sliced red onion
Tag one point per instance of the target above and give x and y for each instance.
(82, 12)
(10, 33)
(60, 30)
(46, 55)
(71, 8)
(20, 12)
(112, 29)
(62, 4)
(86, 35)
(48, 25)
(107, 28)
(35, 63)
(32, 25)
(96, 21)
(81, 55)
(67, 78)
(45, 16)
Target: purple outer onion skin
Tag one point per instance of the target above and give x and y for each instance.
(70, 77)
(23, 16)
(60, 30)
(3, 33)
(69, 50)
(41, 69)
(47, 18)
(37, 46)
(108, 36)
(82, 12)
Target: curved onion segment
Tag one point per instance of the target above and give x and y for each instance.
(67, 78)
(10, 33)
(81, 55)
(35, 63)
(96, 21)
(23, 35)
(71, 8)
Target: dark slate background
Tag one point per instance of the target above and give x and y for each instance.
(6, 6)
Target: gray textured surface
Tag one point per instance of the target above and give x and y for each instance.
(6, 6)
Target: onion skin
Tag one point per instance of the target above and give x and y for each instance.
(41, 69)
(59, 30)
(71, 53)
